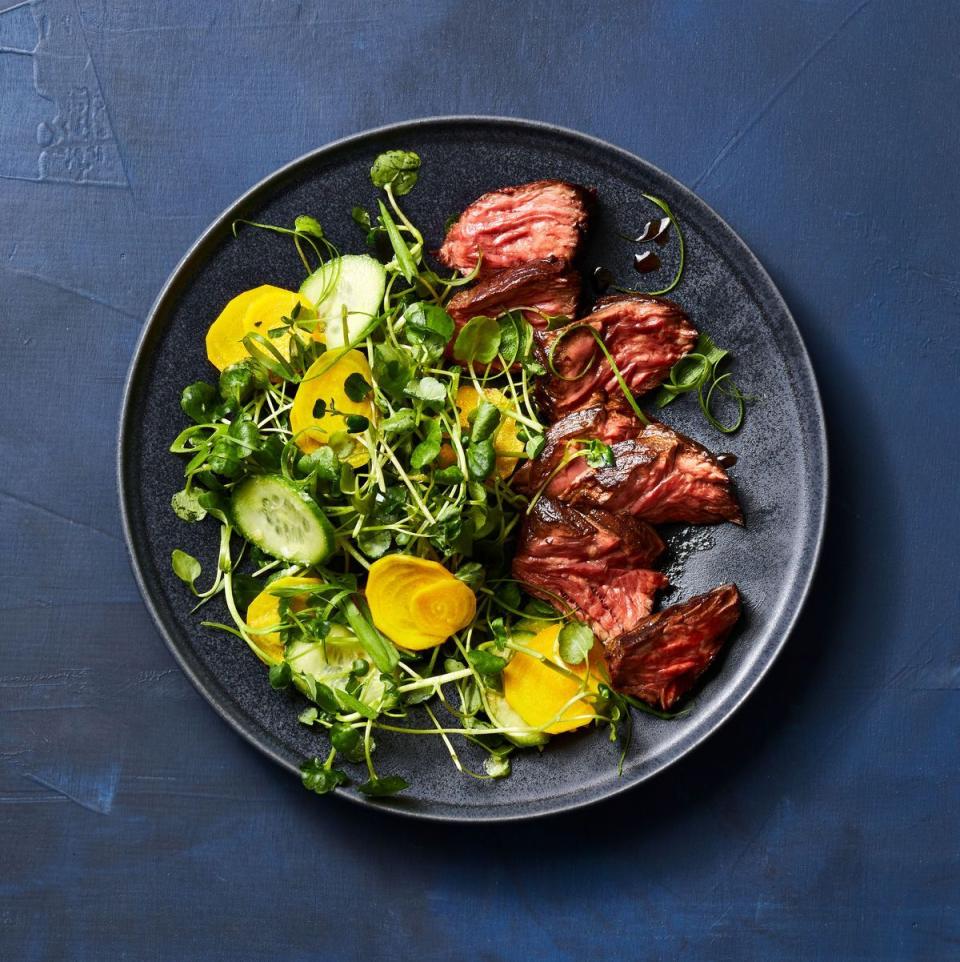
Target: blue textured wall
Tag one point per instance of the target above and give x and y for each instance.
(822, 824)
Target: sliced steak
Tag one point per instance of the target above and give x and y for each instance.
(541, 288)
(658, 475)
(517, 225)
(592, 561)
(661, 659)
(646, 337)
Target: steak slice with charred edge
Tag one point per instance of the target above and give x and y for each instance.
(646, 336)
(545, 287)
(593, 561)
(658, 475)
(517, 225)
(661, 659)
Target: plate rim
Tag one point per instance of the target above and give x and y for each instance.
(229, 711)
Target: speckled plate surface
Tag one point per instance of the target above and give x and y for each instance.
(781, 473)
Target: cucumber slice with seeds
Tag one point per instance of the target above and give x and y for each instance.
(353, 283)
(282, 520)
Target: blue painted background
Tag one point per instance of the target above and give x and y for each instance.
(822, 824)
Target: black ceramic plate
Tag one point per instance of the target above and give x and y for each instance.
(781, 451)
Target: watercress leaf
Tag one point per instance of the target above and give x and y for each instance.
(236, 384)
(356, 387)
(305, 224)
(486, 663)
(385, 785)
(216, 503)
(481, 459)
(471, 700)
(478, 340)
(471, 574)
(356, 423)
(418, 696)
(269, 453)
(449, 475)
(398, 168)
(486, 420)
(427, 389)
(575, 641)
(361, 218)
(247, 435)
(600, 455)
(428, 449)
(326, 699)
(535, 445)
(199, 401)
(308, 716)
(185, 567)
(281, 675)
(510, 335)
(223, 459)
(187, 507)
(347, 741)
(428, 325)
(323, 462)
(374, 544)
(320, 779)
(392, 368)
(402, 421)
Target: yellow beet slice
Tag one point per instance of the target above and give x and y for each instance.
(324, 381)
(257, 310)
(536, 693)
(417, 603)
(505, 441)
(264, 612)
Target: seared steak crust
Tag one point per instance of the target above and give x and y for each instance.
(593, 561)
(516, 225)
(659, 475)
(646, 337)
(661, 659)
(544, 288)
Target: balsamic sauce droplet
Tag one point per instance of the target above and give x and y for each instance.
(646, 262)
(726, 459)
(655, 230)
(602, 279)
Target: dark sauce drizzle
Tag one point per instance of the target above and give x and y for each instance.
(655, 230)
(726, 459)
(601, 279)
(646, 262)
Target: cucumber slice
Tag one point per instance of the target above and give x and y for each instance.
(329, 662)
(282, 520)
(503, 716)
(354, 282)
